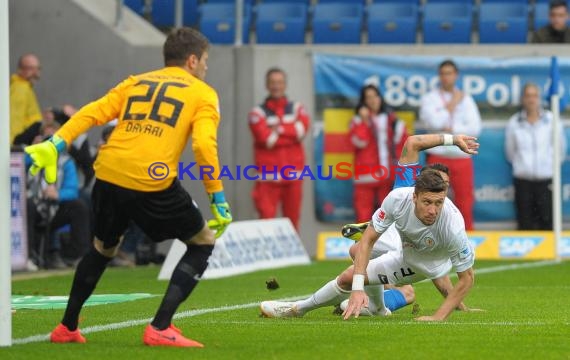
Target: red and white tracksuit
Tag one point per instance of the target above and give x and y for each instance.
(377, 141)
(465, 119)
(278, 127)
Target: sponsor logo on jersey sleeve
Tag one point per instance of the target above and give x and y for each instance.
(518, 246)
(465, 253)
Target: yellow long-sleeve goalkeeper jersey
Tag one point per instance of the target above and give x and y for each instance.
(157, 112)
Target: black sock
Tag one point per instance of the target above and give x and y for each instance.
(88, 272)
(184, 278)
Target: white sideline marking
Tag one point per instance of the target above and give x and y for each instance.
(191, 313)
(131, 323)
(376, 324)
(515, 266)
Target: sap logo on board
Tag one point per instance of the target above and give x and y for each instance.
(337, 247)
(476, 240)
(565, 247)
(518, 246)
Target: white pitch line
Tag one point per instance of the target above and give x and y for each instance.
(517, 266)
(192, 313)
(376, 324)
(131, 323)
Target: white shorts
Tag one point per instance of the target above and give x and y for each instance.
(390, 268)
(388, 241)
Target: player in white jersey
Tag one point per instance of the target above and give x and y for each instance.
(395, 297)
(433, 245)
(433, 239)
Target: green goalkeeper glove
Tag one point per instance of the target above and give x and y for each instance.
(44, 156)
(221, 211)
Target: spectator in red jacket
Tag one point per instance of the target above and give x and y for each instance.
(378, 137)
(278, 127)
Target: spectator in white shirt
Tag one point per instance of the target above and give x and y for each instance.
(529, 148)
(449, 110)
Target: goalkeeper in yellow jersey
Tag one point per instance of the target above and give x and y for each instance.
(136, 177)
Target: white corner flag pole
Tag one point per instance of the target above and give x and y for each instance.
(5, 237)
(556, 183)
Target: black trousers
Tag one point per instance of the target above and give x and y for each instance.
(533, 202)
(75, 213)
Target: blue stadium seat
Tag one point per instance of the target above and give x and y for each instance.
(540, 15)
(447, 23)
(504, 1)
(190, 17)
(305, 2)
(361, 2)
(217, 22)
(281, 23)
(163, 13)
(337, 23)
(416, 2)
(135, 5)
(245, 2)
(456, 1)
(392, 22)
(503, 23)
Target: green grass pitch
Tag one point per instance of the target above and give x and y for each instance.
(527, 317)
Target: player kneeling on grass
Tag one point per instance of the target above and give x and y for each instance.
(433, 238)
(395, 297)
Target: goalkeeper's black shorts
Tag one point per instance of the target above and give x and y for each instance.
(162, 215)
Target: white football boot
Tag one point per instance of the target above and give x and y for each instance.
(279, 309)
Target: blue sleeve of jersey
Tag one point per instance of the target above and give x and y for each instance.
(405, 175)
(394, 299)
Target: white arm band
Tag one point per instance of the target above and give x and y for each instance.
(447, 139)
(357, 282)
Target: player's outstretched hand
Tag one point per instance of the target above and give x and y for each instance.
(358, 300)
(221, 211)
(468, 144)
